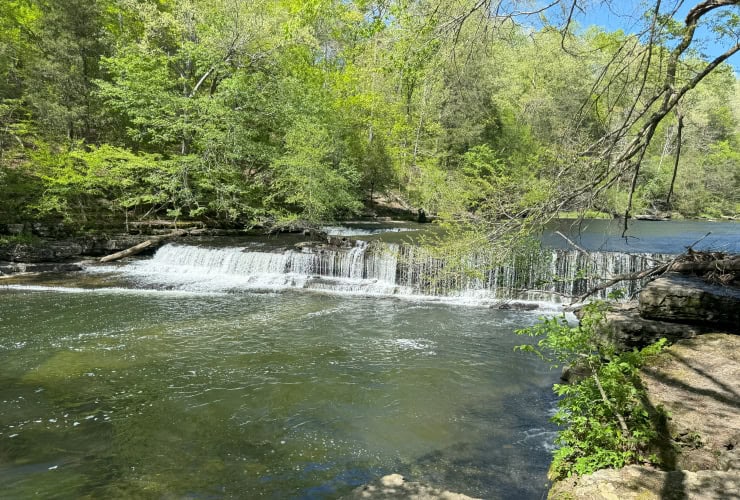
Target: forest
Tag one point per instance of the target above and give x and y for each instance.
(272, 112)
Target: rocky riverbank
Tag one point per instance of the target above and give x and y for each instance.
(37, 247)
(41, 247)
(696, 381)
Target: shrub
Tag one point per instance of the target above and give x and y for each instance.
(603, 420)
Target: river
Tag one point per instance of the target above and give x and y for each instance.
(122, 393)
(261, 372)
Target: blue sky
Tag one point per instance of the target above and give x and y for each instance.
(626, 15)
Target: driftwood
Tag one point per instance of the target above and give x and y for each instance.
(129, 251)
(143, 246)
(723, 265)
(653, 272)
(691, 263)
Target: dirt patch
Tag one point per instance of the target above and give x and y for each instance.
(698, 382)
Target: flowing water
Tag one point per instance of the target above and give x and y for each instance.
(541, 275)
(266, 371)
(125, 393)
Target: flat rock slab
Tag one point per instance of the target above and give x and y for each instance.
(395, 486)
(644, 483)
(697, 381)
(679, 298)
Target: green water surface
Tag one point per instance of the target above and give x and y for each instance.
(157, 394)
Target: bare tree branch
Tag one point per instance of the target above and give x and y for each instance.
(679, 116)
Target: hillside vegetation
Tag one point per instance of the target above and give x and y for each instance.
(253, 112)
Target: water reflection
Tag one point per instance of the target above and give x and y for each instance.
(671, 237)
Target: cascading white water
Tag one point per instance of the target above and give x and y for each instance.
(386, 269)
(353, 270)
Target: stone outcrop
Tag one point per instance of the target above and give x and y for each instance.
(675, 306)
(59, 255)
(43, 267)
(51, 251)
(395, 486)
(66, 250)
(696, 381)
(645, 483)
(679, 298)
(624, 326)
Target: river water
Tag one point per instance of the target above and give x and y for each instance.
(258, 371)
(667, 237)
(123, 393)
(597, 235)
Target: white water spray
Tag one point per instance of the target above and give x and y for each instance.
(386, 269)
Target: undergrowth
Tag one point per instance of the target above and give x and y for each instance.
(603, 421)
(18, 239)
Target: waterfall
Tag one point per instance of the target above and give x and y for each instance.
(388, 269)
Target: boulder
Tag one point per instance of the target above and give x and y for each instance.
(678, 298)
(572, 374)
(625, 327)
(396, 486)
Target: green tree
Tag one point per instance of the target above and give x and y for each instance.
(306, 180)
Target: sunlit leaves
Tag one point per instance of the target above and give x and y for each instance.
(603, 419)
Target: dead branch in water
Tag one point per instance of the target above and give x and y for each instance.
(144, 245)
(718, 267)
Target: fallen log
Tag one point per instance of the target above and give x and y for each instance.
(142, 246)
(129, 251)
(724, 265)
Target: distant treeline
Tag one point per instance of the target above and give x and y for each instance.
(246, 112)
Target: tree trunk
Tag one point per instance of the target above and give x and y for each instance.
(142, 246)
(129, 251)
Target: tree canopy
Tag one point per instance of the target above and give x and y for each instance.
(492, 114)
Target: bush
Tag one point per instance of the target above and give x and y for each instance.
(603, 420)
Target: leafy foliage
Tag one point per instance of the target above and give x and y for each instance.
(238, 112)
(604, 423)
(306, 179)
